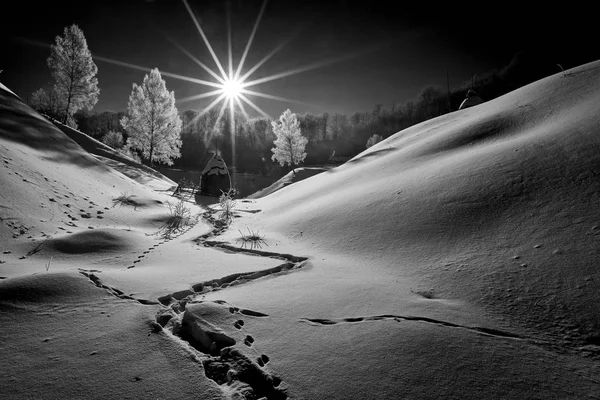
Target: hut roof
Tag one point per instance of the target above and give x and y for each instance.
(215, 166)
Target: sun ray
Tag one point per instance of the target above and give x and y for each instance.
(242, 108)
(257, 108)
(309, 67)
(202, 65)
(229, 50)
(271, 54)
(200, 96)
(272, 97)
(232, 114)
(206, 109)
(232, 117)
(146, 69)
(264, 60)
(221, 112)
(187, 6)
(254, 29)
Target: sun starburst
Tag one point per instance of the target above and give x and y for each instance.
(232, 87)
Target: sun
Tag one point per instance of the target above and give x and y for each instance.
(232, 88)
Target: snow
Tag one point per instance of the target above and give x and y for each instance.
(456, 259)
(294, 176)
(215, 166)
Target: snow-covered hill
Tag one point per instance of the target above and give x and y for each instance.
(456, 259)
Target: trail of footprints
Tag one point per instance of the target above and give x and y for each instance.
(164, 240)
(400, 318)
(91, 275)
(222, 361)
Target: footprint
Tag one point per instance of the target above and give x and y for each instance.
(136, 261)
(252, 313)
(262, 360)
(141, 256)
(146, 252)
(238, 324)
(248, 340)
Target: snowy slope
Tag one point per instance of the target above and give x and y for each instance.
(502, 196)
(292, 177)
(109, 156)
(457, 259)
(484, 217)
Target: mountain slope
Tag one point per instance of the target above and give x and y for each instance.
(496, 204)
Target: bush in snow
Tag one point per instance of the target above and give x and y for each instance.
(374, 140)
(227, 203)
(113, 139)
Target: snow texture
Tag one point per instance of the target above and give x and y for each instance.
(456, 259)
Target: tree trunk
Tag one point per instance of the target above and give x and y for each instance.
(66, 118)
(151, 154)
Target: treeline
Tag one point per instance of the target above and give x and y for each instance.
(328, 134)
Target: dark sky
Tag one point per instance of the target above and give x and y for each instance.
(398, 49)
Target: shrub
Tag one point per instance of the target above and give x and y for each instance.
(373, 140)
(113, 139)
(253, 238)
(125, 199)
(180, 217)
(227, 203)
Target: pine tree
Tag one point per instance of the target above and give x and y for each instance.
(153, 123)
(74, 72)
(289, 144)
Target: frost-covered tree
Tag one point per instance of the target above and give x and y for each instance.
(152, 121)
(373, 140)
(74, 72)
(113, 139)
(289, 142)
(47, 102)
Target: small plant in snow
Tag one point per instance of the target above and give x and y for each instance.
(227, 203)
(565, 73)
(253, 238)
(124, 199)
(48, 264)
(180, 216)
(38, 247)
